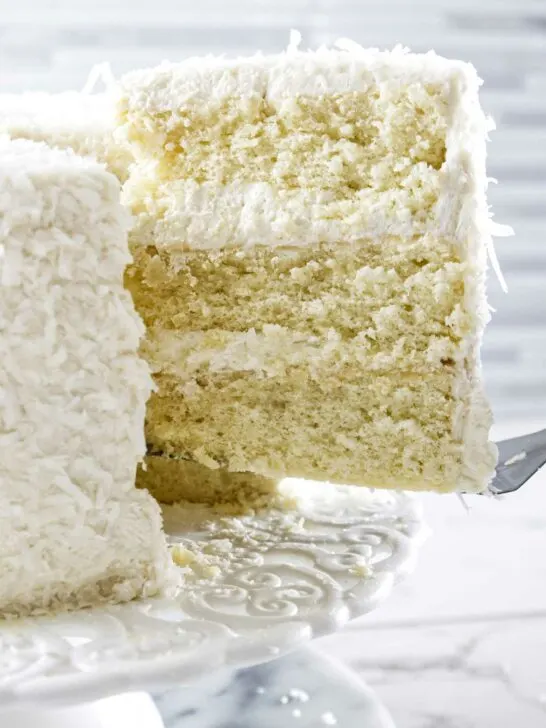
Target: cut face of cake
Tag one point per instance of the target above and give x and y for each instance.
(309, 260)
(74, 531)
(78, 121)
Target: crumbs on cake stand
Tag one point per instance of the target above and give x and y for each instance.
(205, 540)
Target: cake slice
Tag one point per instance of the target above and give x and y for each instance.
(310, 257)
(83, 122)
(74, 530)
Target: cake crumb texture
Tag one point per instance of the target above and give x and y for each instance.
(309, 260)
(170, 478)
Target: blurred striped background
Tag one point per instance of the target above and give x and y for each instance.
(51, 44)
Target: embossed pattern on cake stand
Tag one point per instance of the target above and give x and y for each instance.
(256, 586)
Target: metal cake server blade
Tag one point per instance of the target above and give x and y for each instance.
(519, 459)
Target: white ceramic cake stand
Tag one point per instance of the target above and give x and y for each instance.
(277, 579)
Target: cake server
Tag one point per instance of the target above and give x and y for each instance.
(519, 459)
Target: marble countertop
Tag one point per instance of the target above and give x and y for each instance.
(460, 644)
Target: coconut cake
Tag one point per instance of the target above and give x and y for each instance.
(310, 247)
(74, 530)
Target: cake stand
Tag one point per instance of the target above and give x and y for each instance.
(255, 587)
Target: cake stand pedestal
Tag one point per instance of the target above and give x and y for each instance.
(305, 689)
(256, 587)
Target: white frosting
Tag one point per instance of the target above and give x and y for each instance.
(71, 112)
(466, 213)
(81, 121)
(273, 350)
(269, 353)
(345, 68)
(208, 216)
(74, 530)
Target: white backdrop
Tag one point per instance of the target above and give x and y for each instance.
(50, 45)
